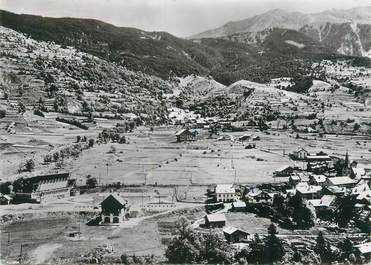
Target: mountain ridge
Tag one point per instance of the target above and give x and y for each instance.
(166, 56)
(286, 19)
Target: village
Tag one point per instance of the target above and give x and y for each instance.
(324, 183)
(102, 164)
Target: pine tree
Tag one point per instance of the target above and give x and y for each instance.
(274, 250)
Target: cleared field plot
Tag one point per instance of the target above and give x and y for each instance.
(155, 158)
(45, 239)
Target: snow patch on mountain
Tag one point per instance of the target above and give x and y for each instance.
(296, 44)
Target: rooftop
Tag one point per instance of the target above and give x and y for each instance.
(364, 248)
(319, 178)
(341, 180)
(216, 217)
(182, 131)
(308, 189)
(325, 201)
(231, 229)
(239, 204)
(225, 188)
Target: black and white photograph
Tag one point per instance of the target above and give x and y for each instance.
(229, 132)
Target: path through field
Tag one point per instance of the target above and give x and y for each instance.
(44, 252)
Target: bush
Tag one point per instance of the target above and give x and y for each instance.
(72, 122)
(2, 113)
(91, 182)
(91, 142)
(39, 113)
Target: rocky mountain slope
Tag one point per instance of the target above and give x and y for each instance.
(345, 38)
(291, 20)
(43, 75)
(344, 31)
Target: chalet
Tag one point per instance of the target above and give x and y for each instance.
(318, 180)
(184, 135)
(225, 193)
(326, 201)
(45, 188)
(364, 249)
(301, 154)
(264, 197)
(114, 209)
(5, 199)
(358, 173)
(321, 167)
(334, 190)
(235, 235)
(309, 192)
(294, 180)
(362, 193)
(215, 220)
(284, 171)
(258, 196)
(361, 188)
(321, 156)
(238, 206)
(342, 182)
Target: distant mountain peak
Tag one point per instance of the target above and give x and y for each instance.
(289, 19)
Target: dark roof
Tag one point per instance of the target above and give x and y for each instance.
(114, 199)
(36, 179)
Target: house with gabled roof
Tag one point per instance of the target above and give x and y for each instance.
(235, 235)
(358, 173)
(319, 180)
(300, 154)
(114, 209)
(184, 135)
(215, 220)
(342, 182)
(309, 192)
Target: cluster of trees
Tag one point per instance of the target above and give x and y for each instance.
(23, 185)
(211, 248)
(84, 139)
(73, 150)
(264, 250)
(220, 105)
(301, 84)
(75, 122)
(27, 166)
(111, 135)
(191, 247)
(290, 212)
(2, 113)
(342, 251)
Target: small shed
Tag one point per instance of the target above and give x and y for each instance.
(235, 235)
(184, 135)
(215, 220)
(239, 206)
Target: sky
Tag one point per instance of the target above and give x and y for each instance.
(182, 18)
